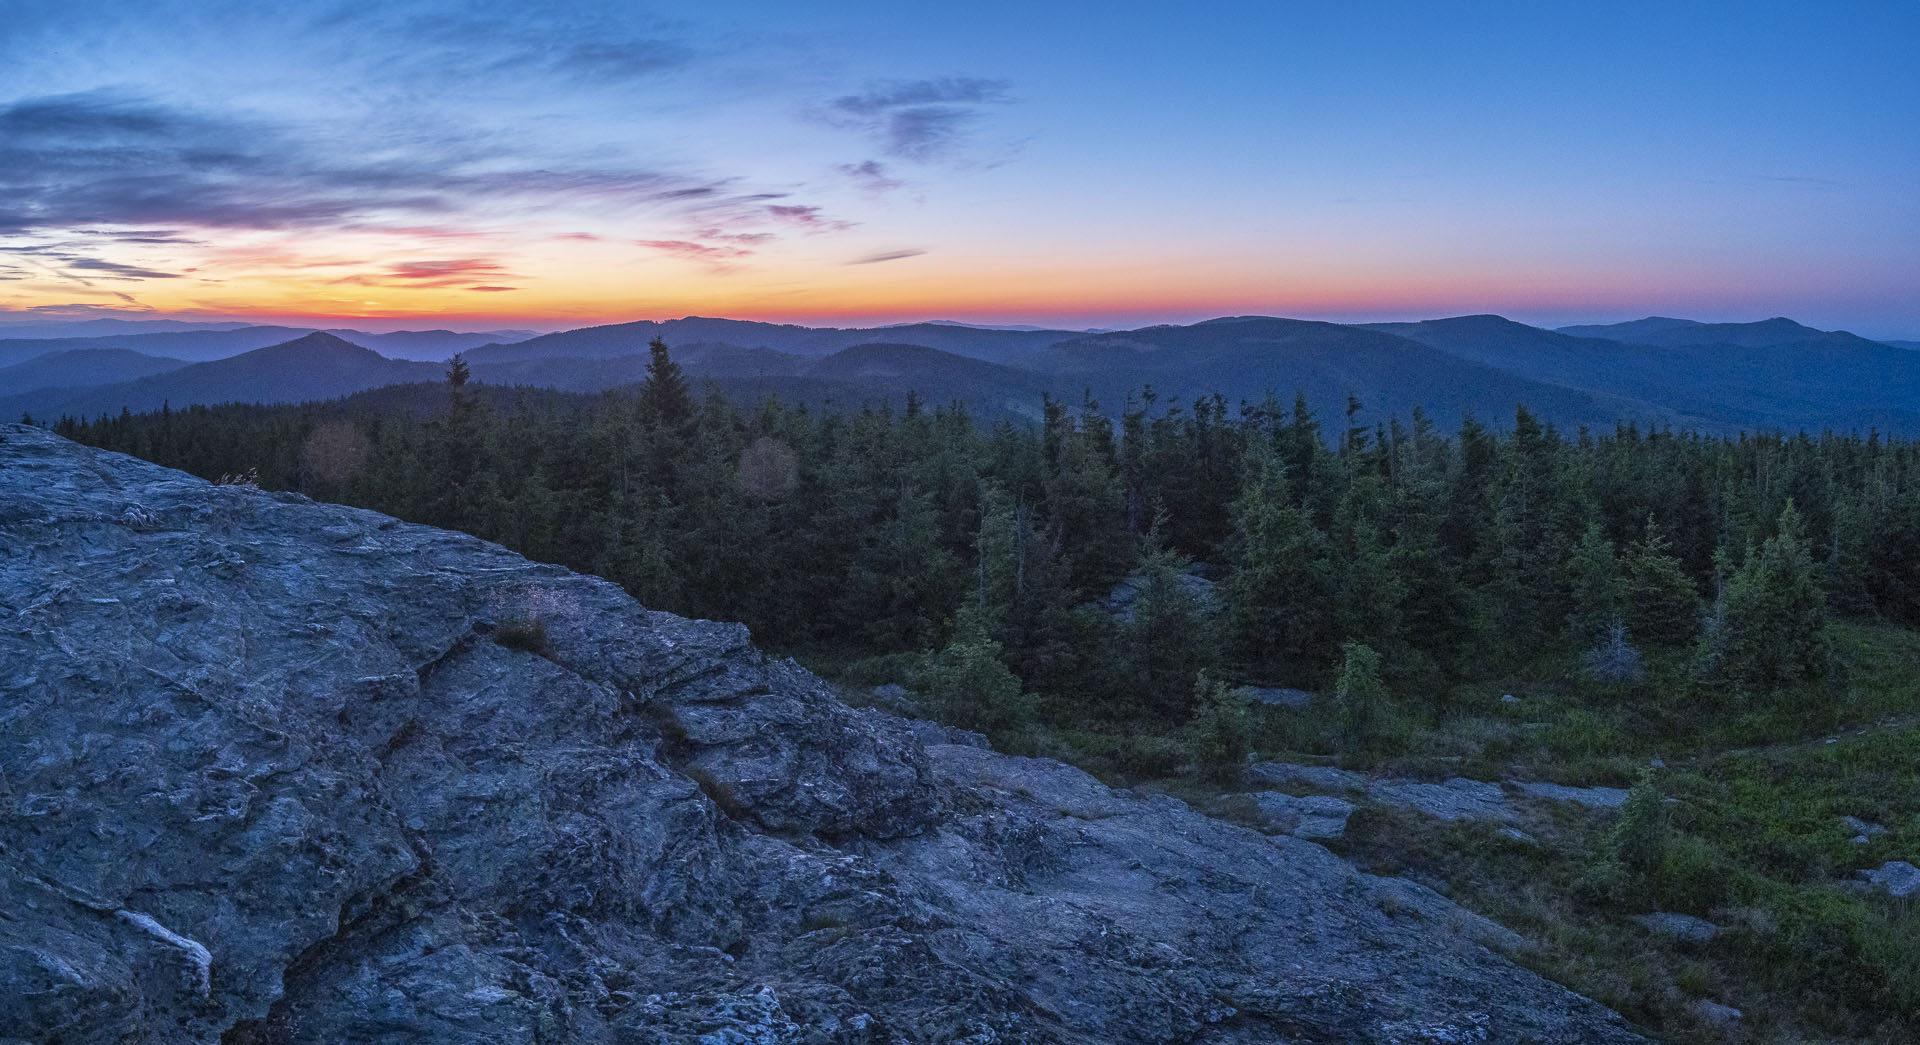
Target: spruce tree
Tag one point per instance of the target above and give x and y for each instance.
(1769, 631)
(1662, 606)
(1280, 577)
(1360, 697)
(1596, 588)
(665, 399)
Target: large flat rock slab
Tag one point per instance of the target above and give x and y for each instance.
(275, 771)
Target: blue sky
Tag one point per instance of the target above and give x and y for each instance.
(1078, 163)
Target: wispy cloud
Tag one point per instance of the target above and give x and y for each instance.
(808, 218)
(870, 176)
(744, 239)
(65, 260)
(632, 59)
(886, 255)
(114, 268)
(104, 158)
(81, 310)
(720, 259)
(896, 95)
(920, 120)
(333, 138)
(470, 44)
(451, 272)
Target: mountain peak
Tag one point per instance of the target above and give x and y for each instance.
(319, 341)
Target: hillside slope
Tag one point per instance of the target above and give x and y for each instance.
(317, 366)
(1245, 358)
(281, 771)
(1836, 381)
(81, 368)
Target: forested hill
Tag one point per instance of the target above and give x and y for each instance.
(1440, 546)
(1469, 605)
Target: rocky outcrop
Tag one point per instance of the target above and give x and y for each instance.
(273, 771)
(1311, 817)
(1457, 798)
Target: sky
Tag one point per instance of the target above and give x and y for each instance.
(408, 164)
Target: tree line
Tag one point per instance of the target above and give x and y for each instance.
(1260, 544)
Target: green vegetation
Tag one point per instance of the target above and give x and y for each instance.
(1692, 617)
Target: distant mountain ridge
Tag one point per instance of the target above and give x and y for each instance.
(17, 329)
(206, 345)
(621, 339)
(1673, 333)
(1775, 374)
(81, 367)
(1833, 380)
(316, 366)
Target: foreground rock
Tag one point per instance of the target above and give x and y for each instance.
(284, 772)
(1456, 799)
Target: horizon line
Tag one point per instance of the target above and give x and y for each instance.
(540, 325)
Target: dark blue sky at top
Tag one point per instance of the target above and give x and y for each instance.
(1558, 162)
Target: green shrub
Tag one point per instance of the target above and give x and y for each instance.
(1360, 698)
(1638, 841)
(1221, 732)
(1692, 877)
(1635, 847)
(967, 685)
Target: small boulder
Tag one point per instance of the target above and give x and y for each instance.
(1319, 778)
(1895, 878)
(1715, 1014)
(1314, 817)
(1595, 797)
(1193, 582)
(896, 699)
(1678, 926)
(1456, 799)
(1277, 696)
(1863, 830)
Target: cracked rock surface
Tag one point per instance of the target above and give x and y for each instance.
(273, 771)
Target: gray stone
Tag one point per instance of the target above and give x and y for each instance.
(1314, 817)
(1895, 878)
(289, 788)
(1712, 1013)
(1456, 799)
(1862, 828)
(1193, 582)
(1277, 697)
(1319, 778)
(896, 699)
(1678, 926)
(1596, 797)
(928, 732)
